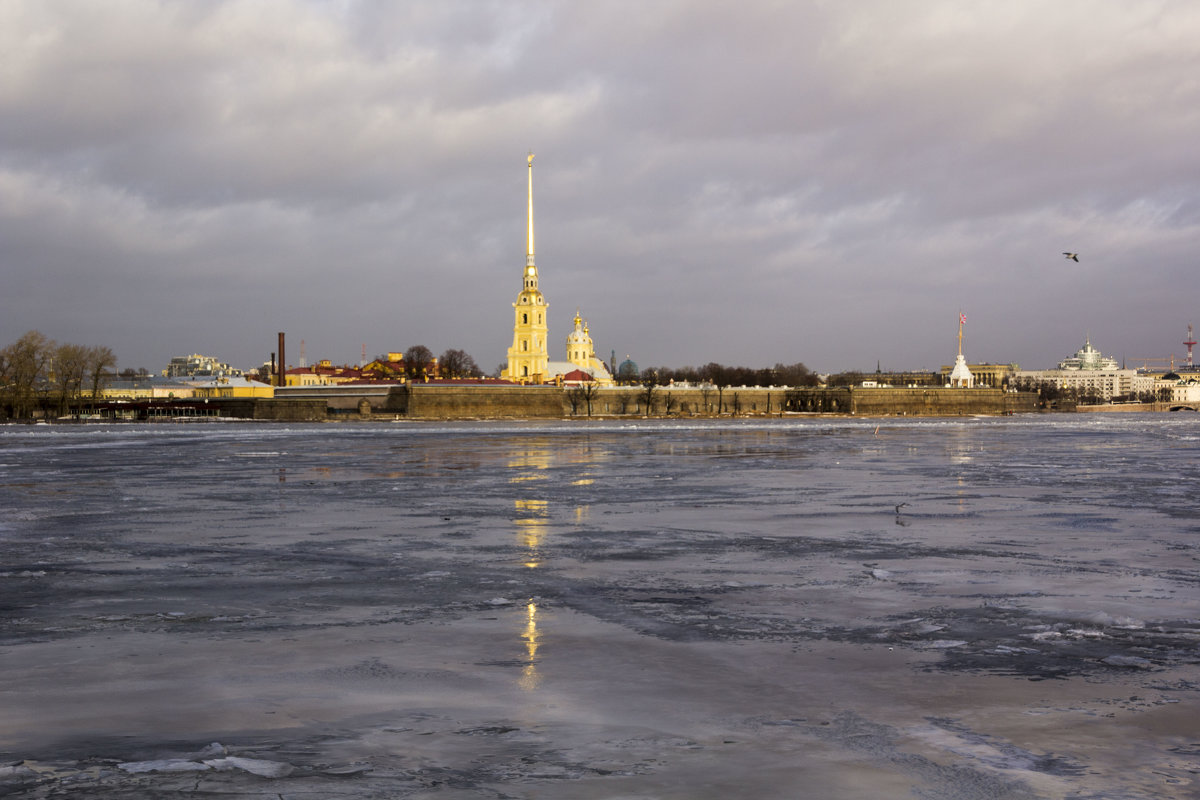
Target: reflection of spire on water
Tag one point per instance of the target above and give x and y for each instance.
(529, 675)
(531, 465)
(531, 528)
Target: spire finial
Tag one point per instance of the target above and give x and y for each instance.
(529, 235)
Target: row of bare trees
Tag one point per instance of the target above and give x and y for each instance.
(720, 375)
(38, 374)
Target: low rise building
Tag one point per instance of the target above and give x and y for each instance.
(132, 389)
(1175, 388)
(231, 388)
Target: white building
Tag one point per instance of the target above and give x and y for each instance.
(198, 366)
(1089, 358)
(1089, 373)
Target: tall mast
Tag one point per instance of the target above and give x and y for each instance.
(529, 235)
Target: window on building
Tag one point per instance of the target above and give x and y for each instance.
(524, 319)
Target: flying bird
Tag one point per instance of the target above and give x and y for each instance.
(1072, 256)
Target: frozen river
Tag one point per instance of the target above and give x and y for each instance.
(809, 608)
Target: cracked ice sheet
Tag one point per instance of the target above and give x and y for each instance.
(696, 631)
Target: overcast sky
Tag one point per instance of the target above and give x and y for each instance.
(746, 183)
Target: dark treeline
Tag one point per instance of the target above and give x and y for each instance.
(454, 363)
(38, 374)
(417, 363)
(720, 375)
(855, 378)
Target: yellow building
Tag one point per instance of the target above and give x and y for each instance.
(232, 387)
(528, 357)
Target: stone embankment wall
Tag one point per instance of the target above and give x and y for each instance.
(438, 401)
(1123, 408)
(769, 400)
(277, 410)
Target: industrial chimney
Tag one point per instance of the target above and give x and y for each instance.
(281, 374)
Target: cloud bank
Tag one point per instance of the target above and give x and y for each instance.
(767, 182)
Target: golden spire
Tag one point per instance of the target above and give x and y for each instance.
(529, 235)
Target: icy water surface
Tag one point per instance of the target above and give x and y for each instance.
(966, 608)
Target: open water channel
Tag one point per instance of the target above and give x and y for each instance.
(788, 608)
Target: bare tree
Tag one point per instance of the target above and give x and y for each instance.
(25, 363)
(458, 364)
(68, 370)
(417, 361)
(669, 403)
(649, 385)
(591, 391)
(99, 360)
(575, 398)
(584, 395)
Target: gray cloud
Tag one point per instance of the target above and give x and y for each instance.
(827, 183)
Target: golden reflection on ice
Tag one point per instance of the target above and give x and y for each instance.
(534, 462)
(530, 464)
(531, 525)
(530, 678)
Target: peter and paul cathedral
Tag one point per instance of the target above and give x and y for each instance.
(528, 358)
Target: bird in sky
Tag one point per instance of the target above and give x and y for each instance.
(1072, 256)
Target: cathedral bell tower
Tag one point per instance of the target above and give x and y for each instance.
(528, 356)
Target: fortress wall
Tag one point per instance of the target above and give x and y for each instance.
(668, 400)
(430, 401)
(940, 401)
(271, 409)
(839, 400)
(440, 401)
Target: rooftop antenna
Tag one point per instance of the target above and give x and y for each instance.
(363, 362)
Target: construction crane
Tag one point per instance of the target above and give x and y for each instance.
(1169, 362)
